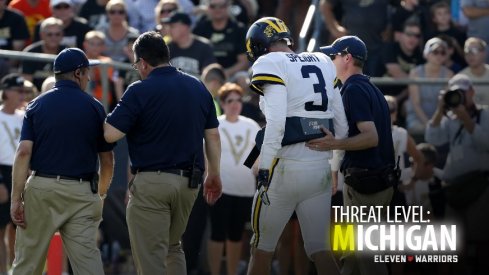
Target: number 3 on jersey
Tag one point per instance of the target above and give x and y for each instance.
(320, 87)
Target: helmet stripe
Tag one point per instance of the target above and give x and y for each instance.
(274, 26)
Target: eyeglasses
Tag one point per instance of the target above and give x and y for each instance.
(218, 6)
(54, 34)
(231, 100)
(95, 44)
(473, 50)
(135, 64)
(167, 11)
(61, 7)
(120, 12)
(436, 52)
(342, 53)
(413, 34)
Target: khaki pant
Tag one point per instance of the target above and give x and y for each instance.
(157, 215)
(358, 263)
(67, 206)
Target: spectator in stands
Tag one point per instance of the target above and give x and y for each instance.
(117, 31)
(477, 13)
(141, 14)
(407, 9)
(475, 50)
(226, 35)
(127, 77)
(13, 34)
(94, 45)
(443, 24)
(13, 29)
(401, 56)
(466, 171)
(13, 97)
(74, 28)
(163, 10)
(94, 12)
(51, 33)
(230, 213)
(423, 98)
(214, 77)
(189, 52)
(365, 19)
(34, 11)
(404, 148)
(454, 61)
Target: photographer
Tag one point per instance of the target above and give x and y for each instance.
(459, 122)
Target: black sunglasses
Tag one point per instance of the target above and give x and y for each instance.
(61, 7)
(342, 53)
(117, 12)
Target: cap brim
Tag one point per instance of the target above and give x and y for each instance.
(93, 62)
(457, 87)
(328, 50)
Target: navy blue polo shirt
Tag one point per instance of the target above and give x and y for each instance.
(365, 102)
(66, 126)
(164, 117)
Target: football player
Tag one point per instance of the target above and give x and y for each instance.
(298, 95)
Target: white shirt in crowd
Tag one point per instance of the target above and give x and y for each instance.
(10, 126)
(237, 140)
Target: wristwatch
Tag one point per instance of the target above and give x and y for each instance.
(103, 196)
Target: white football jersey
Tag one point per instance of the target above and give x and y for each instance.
(296, 85)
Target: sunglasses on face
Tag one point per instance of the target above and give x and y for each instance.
(437, 52)
(413, 34)
(167, 11)
(473, 50)
(120, 12)
(217, 6)
(231, 100)
(61, 7)
(342, 53)
(54, 34)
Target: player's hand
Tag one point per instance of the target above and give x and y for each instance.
(334, 182)
(461, 113)
(17, 213)
(212, 188)
(263, 183)
(3, 194)
(325, 143)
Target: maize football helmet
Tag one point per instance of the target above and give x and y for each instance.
(263, 33)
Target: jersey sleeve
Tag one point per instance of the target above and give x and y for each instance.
(266, 70)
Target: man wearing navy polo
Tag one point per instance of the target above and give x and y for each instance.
(61, 136)
(368, 164)
(166, 116)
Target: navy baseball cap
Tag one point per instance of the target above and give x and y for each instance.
(350, 44)
(180, 17)
(70, 59)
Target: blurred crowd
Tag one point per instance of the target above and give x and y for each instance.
(412, 39)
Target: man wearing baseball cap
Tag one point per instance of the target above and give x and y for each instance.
(189, 52)
(369, 147)
(60, 142)
(466, 170)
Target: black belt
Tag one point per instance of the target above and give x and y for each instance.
(60, 177)
(180, 172)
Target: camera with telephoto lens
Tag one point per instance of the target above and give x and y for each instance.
(454, 98)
